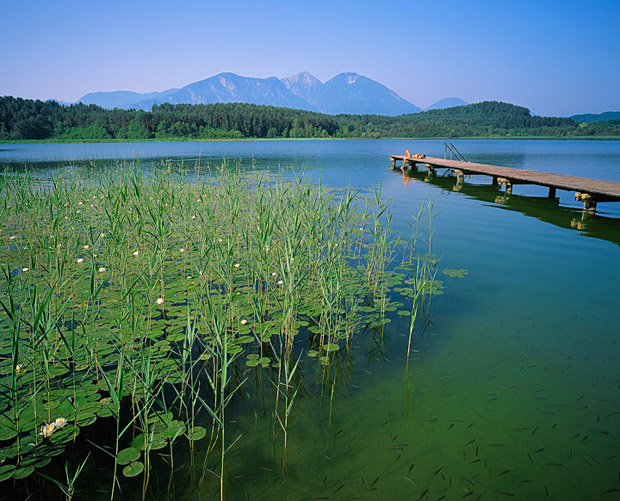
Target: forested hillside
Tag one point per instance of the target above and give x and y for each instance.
(23, 119)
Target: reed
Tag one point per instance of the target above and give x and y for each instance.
(140, 303)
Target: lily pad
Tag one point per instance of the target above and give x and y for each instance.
(23, 472)
(128, 455)
(7, 433)
(198, 433)
(460, 273)
(6, 471)
(133, 469)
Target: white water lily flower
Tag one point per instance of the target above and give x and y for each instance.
(80, 260)
(160, 300)
(60, 422)
(80, 203)
(25, 269)
(47, 429)
(12, 237)
(193, 217)
(244, 321)
(102, 269)
(86, 247)
(181, 251)
(237, 265)
(280, 282)
(136, 253)
(101, 235)
(19, 368)
(220, 240)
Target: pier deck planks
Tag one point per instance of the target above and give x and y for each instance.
(602, 191)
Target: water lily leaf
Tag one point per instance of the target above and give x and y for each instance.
(234, 349)
(332, 347)
(104, 412)
(128, 455)
(37, 461)
(403, 313)
(86, 419)
(251, 363)
(158, 442)
(133, 469)
(198, 433)
(264, 360)
(460, 273)
(178, 336)
(139, 441)
(6, 471)
(23, 472)
(312, 353)
(64, 435)
(7, 433)
(175, 428)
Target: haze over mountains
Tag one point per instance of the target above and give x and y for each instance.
(348, 93)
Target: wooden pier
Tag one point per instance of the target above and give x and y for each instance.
(589, 191)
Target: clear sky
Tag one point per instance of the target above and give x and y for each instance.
(554, 57)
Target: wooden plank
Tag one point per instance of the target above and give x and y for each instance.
(600, 189)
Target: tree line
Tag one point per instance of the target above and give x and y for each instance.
(26, 119)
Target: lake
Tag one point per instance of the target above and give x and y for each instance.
(515, 385)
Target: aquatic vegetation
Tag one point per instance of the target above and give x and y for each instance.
(460, 273)
(136, 307)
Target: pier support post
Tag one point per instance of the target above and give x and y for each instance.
(460, 176)
(393, 163)
(551, 192)
(507, 183)
(589, 203)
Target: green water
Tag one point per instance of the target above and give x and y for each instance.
(515, 386)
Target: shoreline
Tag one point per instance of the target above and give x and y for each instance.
(188, 140)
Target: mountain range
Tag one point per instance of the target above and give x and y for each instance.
(347, 93)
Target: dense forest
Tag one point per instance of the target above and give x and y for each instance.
(24, 119)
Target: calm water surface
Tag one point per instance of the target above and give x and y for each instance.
(516, 385)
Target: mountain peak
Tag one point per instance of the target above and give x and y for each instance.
(345, 93)
(304, 85)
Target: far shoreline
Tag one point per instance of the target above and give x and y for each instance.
(189, 140)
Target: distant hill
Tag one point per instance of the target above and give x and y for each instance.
(591, 117)
(24, 119)
(345, 93)
(448, 102)
(121, 98)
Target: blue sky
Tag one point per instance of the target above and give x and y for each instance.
(554, 57)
